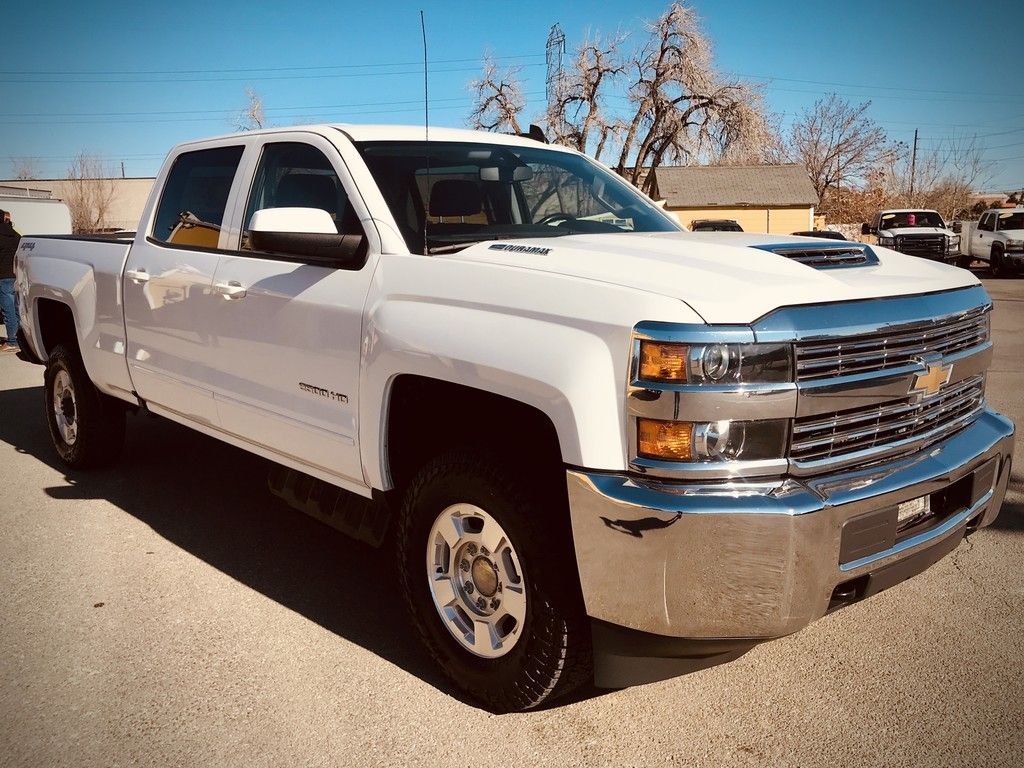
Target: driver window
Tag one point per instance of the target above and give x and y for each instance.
(986, 223)
(296, 175)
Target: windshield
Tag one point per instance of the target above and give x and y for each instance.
(1005, 221)
(469, 192)
(902, 219)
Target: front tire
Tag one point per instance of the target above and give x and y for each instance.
(999, 268)
(86, 426)
(964, 262)
(489, 576)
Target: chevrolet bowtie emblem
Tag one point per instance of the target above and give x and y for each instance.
(933, 379)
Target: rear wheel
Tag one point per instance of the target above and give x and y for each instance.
(964, 262)
(86, 426)
(489, 576)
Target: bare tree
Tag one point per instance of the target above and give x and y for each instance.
(945, 176)
(25, 168)
(576, 117)
(840, 145)
(498, 98)
(684, 109)
(90, 192)
(680, 108)
(252, 116)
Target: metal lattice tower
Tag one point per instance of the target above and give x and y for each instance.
(555, 50)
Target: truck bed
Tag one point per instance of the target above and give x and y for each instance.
(84, 273)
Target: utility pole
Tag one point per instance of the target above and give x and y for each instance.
(913, 167)
(122, 169)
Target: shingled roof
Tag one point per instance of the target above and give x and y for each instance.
(700, 186)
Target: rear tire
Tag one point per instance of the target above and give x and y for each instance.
(506, 624)
(86, 426)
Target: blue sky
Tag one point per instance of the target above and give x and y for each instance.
(127, 81)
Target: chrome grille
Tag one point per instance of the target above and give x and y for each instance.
(921, 245)
(894, 424)
(879, 351)
(829, 257)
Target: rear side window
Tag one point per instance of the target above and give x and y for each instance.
(986, 223)
(192, 206)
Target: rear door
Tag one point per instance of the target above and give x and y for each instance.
(289, 329)
(169, 302)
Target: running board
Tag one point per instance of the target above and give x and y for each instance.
(355, 516)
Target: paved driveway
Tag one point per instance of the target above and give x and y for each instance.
(170, 612)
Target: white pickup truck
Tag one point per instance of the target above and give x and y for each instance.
(916, 232)
(999, 239)
(604, 448)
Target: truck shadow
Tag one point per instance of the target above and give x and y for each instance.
(211, 500)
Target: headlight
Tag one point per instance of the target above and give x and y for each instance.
(887, 241)
(953, 243)
(712, 441)
(714, 363)
(1014, 243)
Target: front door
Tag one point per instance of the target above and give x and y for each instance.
(169, 303)
(288, 331)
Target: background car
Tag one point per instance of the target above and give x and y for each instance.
(715, 225)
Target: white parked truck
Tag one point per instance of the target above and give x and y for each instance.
(915, 232)
(999, 239)
(607, 449)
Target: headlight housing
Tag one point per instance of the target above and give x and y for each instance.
(887, 242)
(952, 243)
(714, 363)
(714, 441)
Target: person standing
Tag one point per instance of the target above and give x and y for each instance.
(9, 239)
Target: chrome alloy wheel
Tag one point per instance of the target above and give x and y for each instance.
(64, 407)
(475, 580)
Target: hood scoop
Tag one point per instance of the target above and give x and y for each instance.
(826, 256)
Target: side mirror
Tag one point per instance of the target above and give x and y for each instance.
(865, 229)
(957, 227)
(306, 233)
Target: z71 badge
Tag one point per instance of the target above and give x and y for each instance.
(322, 392)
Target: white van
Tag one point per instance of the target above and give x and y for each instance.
(37, 215)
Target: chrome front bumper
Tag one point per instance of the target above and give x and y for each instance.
(686, 560)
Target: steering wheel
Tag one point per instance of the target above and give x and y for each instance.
(551, 218)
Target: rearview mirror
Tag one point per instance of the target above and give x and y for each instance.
(306, 233)
(494, 173)
(957, 227)
(866, 229)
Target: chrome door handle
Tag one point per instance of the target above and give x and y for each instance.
(137, 276)
(232, 289)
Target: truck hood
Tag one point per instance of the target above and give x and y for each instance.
(901, 231)
(724, 277)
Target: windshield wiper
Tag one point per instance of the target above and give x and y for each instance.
(453, 247)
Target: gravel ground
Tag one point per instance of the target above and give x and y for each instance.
(170, 612)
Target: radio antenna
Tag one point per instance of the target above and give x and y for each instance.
(426, 134)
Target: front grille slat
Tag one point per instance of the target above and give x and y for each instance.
(879, 351)
(846, 432)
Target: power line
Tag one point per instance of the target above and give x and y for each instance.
(43, 73)
(242, 79)
(871, 86)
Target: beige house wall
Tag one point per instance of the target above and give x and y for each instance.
(130, 196)
(776, 221)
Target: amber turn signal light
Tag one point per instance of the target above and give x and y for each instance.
(668, 440)
(663, 362)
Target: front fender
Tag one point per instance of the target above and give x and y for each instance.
(558, 344)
